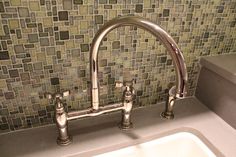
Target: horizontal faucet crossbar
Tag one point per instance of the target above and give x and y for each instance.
(91, 113)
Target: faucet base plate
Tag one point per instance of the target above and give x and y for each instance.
(125, 127)
(64, 142)
(167, 115)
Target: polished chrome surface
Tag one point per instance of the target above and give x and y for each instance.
(128, 98)
(61, 117)
(126, 105)
(158, 32)
(90, 112)
(168, 113)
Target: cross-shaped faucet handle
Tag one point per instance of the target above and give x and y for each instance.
(59, 95)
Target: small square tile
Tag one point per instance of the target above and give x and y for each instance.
(206, 35)
(49, 13)
(55, 81)
(4, 127)
(58, 53)
(4, 45)
(54, 2)
(3, 82)
(56, 36)
(13, 23)
(41, 57)
(56, 28)
(43, 34)
(63, 15)
(23, 12)
(70, 44)
(31, 25)
(55, 18)
(50, 51)
(163, 59)
(98, 19)
(103, 63)
(33, 38)
(25, 76)
(42, 2)
(47, 22)
(67, 4)
(34, 6)
(38, 66)
(84, 47)
(112, 1)
(18, 34)
(102, 1)
(9, 95)
(64, 35)
(44, 41)
(7, 4)
(220, 9)
(83, 9)
(13, 73)
(116, 45)
(19, 49)
(78, 2)
(4, 55)
(15, 2)
(166, 12)
(107, 6)
(84, 25)
(54, 11)
(82, 73)
(6, 30)
(2, 10)
(111, 80)
(4, 112)
(17, 122)
(138, 8)
(42, 113)
(189, 17)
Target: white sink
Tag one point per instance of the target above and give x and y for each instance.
(181, 144)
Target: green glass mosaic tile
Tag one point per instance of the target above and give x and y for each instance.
(44, 47)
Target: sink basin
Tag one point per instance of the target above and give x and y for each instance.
(181, 144)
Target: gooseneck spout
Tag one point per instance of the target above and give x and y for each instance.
(160, 34)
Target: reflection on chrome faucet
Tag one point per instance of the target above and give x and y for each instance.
(179, 91)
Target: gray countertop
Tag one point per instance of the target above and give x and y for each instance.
(92, 134)
(223, 65)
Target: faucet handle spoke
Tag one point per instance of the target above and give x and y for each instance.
(48, 95)
(66, 93)
(59, 95)
(119, 84)
(129, 83)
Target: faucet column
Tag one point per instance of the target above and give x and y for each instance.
(168, 113)
(62, 124)
(61, 117)
(128, 98)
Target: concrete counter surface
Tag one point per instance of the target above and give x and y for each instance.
(99, 133)
(223, 65)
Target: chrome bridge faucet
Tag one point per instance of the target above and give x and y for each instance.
(178, 91)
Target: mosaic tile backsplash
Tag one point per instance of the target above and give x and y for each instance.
(44, 47)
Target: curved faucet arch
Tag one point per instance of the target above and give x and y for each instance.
(62, 117)
(155, 30)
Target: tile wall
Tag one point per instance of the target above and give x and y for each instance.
(44, 47)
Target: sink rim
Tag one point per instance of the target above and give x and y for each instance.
(122, 145)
